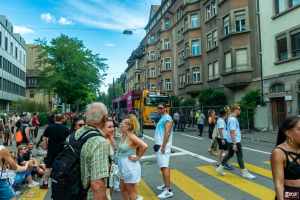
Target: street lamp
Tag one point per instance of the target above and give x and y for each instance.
(127, 32)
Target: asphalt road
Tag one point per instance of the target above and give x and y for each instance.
(195, 177)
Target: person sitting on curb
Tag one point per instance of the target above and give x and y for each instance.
(29, 156)
(40, 147)
(17, 177)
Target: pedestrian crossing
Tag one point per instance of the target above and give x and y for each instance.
(197, 190)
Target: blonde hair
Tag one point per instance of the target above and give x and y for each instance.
(235, 106)
(228, 111)
(20, 147)
(133, 124)
(13, 155)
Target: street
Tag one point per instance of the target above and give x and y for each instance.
(195, 178)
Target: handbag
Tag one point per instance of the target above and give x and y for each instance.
(156, 147)
(215, 133)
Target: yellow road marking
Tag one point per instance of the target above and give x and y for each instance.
(268, 162)
(191, 187)
(255, 169)
(254, 189)
(144, 191)
(39, 194)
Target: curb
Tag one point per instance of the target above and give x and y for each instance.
(259, 139)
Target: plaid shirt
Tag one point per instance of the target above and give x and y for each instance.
(94, 162)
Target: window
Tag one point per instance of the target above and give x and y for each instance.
(196, 75)
(153, 87)
(152, 39)
(194, 19)
(6, 43)
(178, 14)
(139, 78)
(159, 70)
(240, 22)
(226, 26)
(168, 84)
(182, 33)
(209, 41)
(215, 35)
(179, 36)
(295, 38)
(216, 68)
(152, 72)
(214, 8)
(187, 76)
(180, 81)
(186, 24)
(228, 62)
(241, 59)
(152, 55)
(278, 88)
(208, 12)
(11, 48)
(187, 50)
(195, 47)
(167, 61)
(167, 44)
(167, 24)
(294, 2)
(158, 53)
(179, 59)
(210, 71)
(280, 6)
(282, 47)
(0, 37)
(31, 93)
(183, 79)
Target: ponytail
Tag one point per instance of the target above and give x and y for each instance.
(287, 124)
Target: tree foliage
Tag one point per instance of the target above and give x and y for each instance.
(68, 68)
(175, 101)
(187, 104)
(121, 80)
(210, 96)
(113, 92)
(25, 105)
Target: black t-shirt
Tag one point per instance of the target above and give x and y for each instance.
(19, 124)
(56, 133)
(20, 160)
(22, 129)
(28, 155)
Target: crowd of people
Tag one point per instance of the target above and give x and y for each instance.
(106, 167)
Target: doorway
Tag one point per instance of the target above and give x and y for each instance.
(279, 111)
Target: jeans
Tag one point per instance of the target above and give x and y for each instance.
(200, 127)
(239, 154)
(175, 124)
(182, 126)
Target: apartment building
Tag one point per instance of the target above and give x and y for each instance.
(12, 64)
(192, 44)
(280, 32)
(32, 80)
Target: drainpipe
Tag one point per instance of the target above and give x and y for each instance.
(260, 53)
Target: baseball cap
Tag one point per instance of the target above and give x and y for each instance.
(221, 112)
(163, 104)
(23, 114)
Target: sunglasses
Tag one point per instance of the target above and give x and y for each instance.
(29, 142)
(160, 108)
(81, 125)
(239, 109)
(24, 148)
(121, 125)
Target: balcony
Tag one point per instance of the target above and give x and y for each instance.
(237, 78)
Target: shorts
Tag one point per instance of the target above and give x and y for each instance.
(163, 159)
(12, 129)
(130, 171)
(221, 146)
(6, 192)
(50, 159)
(35, 132)
(34, 171)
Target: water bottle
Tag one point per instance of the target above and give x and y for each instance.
(18, 193)
(31, 194)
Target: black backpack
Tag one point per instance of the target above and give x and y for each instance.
(182, 117)
(66, 175)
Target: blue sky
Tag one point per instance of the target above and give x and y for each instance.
(28, 16)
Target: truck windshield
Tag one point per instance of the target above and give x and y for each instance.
(154, 101)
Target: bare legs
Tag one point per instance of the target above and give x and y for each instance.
(221, 151)
(166, 175)
(128, 190)
(47, 175)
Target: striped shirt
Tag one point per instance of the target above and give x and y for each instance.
(94, 162)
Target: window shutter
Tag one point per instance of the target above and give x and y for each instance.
(239, 15)
(241, 59)
(226, 21)
(216, 66)
(210, 71)
(228, 61)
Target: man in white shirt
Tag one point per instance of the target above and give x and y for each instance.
(234, 141)
(200, 122)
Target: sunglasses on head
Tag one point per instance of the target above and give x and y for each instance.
(81, 125)
(160, 108)
(29, 142)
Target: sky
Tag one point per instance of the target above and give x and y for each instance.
(28, 17)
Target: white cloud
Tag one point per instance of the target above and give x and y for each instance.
(22, 30)
(48, 17)
(110, 45)
(64, 21)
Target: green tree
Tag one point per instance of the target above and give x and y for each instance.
(187, 104)
(121, 80)
(67, 66)
(113, 92)
(175, 101)
(28, 106)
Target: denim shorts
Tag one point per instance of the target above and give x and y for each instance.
(6, 192)
(221, 146)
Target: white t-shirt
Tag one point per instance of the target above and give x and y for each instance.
(160, 131)
(233, 124)
(222, 124)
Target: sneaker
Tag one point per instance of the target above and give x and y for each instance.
(165, 194)
(215, 153)
(44, 187)
(228, 166)
(220, 170)
(33, 184)
(246, 174)
(139, 197)
(118, 190)
(36, 183)
(162, 187)
(210, 150)
(217, 165)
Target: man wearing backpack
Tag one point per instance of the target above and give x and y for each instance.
(19, 124)
(182, 118)
(56, 135)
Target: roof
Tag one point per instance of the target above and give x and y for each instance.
(153, 10)
(32, 72)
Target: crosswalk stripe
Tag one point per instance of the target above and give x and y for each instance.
(191, 187)
(255, 169)
(254, 189)
(267, 162)
(144, 190)
(192, 137)
(38, 193)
